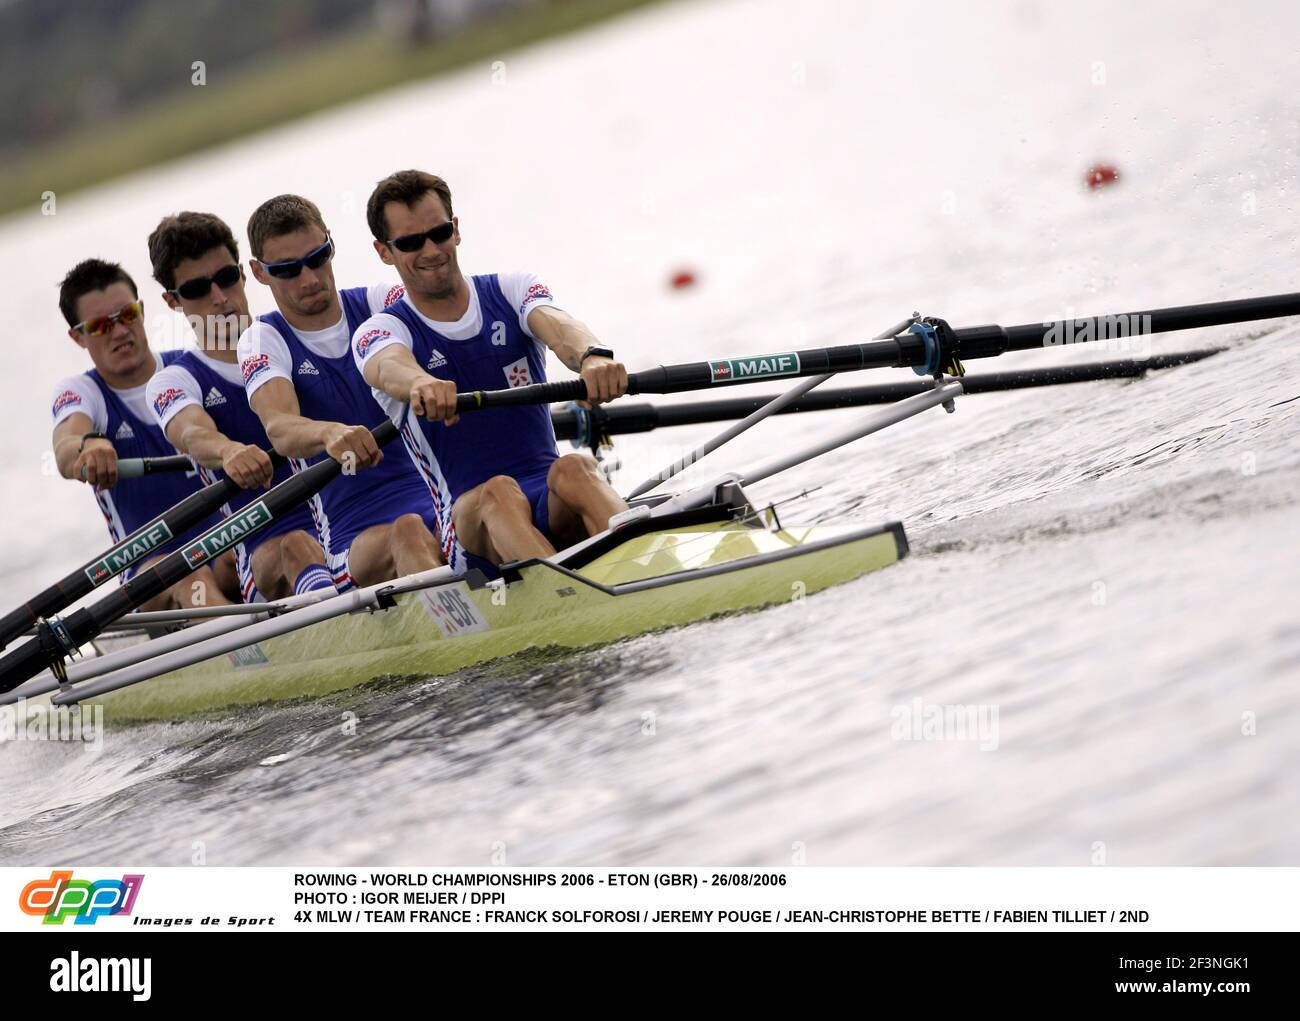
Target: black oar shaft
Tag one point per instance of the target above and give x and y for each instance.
(908, 349)
(622, 418)
(140, 544)
(1156, 320)
(45, 649)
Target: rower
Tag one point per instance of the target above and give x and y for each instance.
(102, 415)
(198, 400)
(515, 496)
(297, 372)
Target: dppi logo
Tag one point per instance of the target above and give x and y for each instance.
(61, 896)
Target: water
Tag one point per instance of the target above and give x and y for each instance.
(1111, 567)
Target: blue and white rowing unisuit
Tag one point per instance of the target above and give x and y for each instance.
(123, 416)
(330, 389)
(488, 348)
(193, 380)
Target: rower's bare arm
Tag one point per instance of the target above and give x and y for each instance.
(193, 432)
(569, 338)
(566, 336)
(395, 371)
(292, 435)
(98, 457)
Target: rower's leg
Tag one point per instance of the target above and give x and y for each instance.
(385, 552)
(198, 589)
(278, 563)
(580, 494)
(202, 588)
(494, 521)
(225, 573)
(414, 546)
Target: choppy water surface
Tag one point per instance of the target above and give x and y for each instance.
(1109, 567)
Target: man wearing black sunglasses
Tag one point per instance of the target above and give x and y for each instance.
(198, 400)
(375, 524)
(514, 496)
(103, 415)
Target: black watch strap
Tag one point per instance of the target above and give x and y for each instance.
(90, 436)
(595, 349)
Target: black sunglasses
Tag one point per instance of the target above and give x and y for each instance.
(414, 242)
(199, 287)
(290, 268)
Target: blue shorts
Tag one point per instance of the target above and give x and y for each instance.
(337, 559)
(539, 500)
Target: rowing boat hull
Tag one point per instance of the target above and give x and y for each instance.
(659, 580)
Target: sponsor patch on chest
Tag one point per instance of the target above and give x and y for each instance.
(518, 373)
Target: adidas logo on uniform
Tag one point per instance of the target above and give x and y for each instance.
(436, 360)
(307, 368)
(124, 432)
(215, 398)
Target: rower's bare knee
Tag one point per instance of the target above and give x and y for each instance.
(413, 545)
(202, 588)
(301, 548)
(411, 528)
(501, 493)
(570, 472)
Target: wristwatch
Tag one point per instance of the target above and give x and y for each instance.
(90, 436)
(595, 349)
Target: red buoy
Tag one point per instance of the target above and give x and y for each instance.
(1099, 175)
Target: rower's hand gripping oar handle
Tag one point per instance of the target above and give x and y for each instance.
(137, 467)
(534, 393)
(931, 346)
(112, 562)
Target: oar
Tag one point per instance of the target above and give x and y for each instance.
(931, 346)
(57, 639)
(141, 543)
(374, 598)
(623, 418)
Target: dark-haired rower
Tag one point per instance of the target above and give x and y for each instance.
(199, 401)
(102, 415)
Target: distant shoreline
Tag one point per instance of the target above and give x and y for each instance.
(325, 75)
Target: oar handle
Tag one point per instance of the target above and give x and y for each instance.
(135, 467)
(535, 393)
